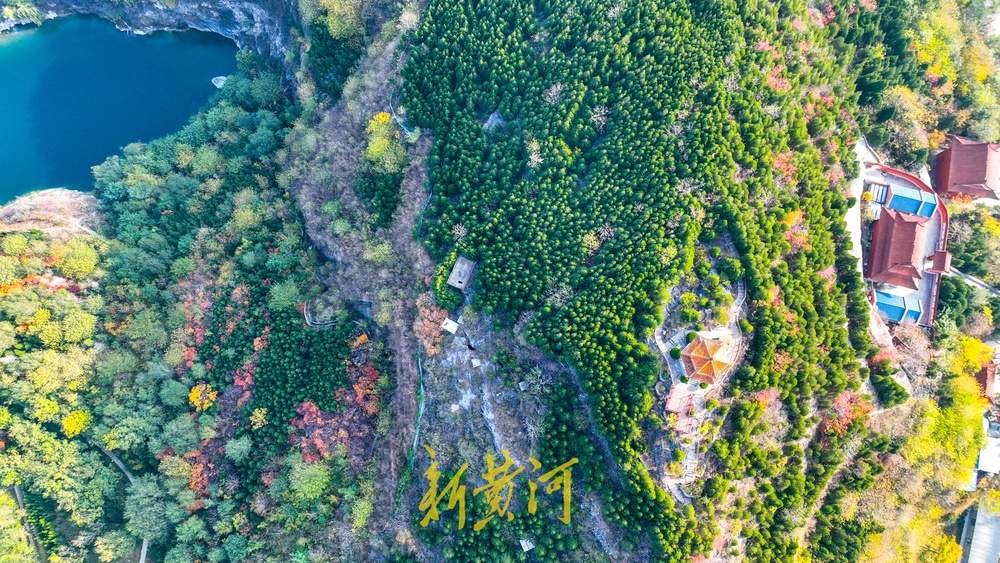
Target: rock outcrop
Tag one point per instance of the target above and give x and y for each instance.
(259, 25)
(59, 212)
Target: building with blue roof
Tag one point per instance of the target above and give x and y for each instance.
(912, 200)
(898, 308)
(981, 534)
(907, 251)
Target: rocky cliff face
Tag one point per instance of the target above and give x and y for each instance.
(259, 25)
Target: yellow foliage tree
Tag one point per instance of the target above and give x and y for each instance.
(59, 371)
(44, 409)
(14, 245)
(75, 422)
(939, 41)
(947, 440)
(76, 258)
(10, 270)
(37, 320)
(992, 225)
(258, 418)
(343, 17)
(202, 396)
(969, 356)
(921, 539)
(384, 152)
(934, 140)
(977, 61)
(50, 334)
(78, 325)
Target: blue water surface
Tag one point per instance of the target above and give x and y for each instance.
(76, 90)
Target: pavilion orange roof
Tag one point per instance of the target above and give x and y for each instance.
(704, 359)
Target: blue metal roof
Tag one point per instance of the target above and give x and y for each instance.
(984, 545)
(897, 308)
(878, 192)
(912, 200)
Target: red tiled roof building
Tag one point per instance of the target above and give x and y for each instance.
(897, 248)
(941, 262)
(968, 170)
(986, 379)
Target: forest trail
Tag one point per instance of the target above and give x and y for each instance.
(805, 531)
(599, 438)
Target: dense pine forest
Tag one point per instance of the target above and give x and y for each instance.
(628, 142)
(632, 133)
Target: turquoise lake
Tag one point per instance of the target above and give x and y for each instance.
(76, 90)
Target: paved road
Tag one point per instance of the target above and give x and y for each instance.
(975, 282)
(863, 153)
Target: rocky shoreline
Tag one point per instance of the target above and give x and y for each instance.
(262, 26)
(60, 212)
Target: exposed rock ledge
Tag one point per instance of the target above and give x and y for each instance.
(259, 25)
(57, 211)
